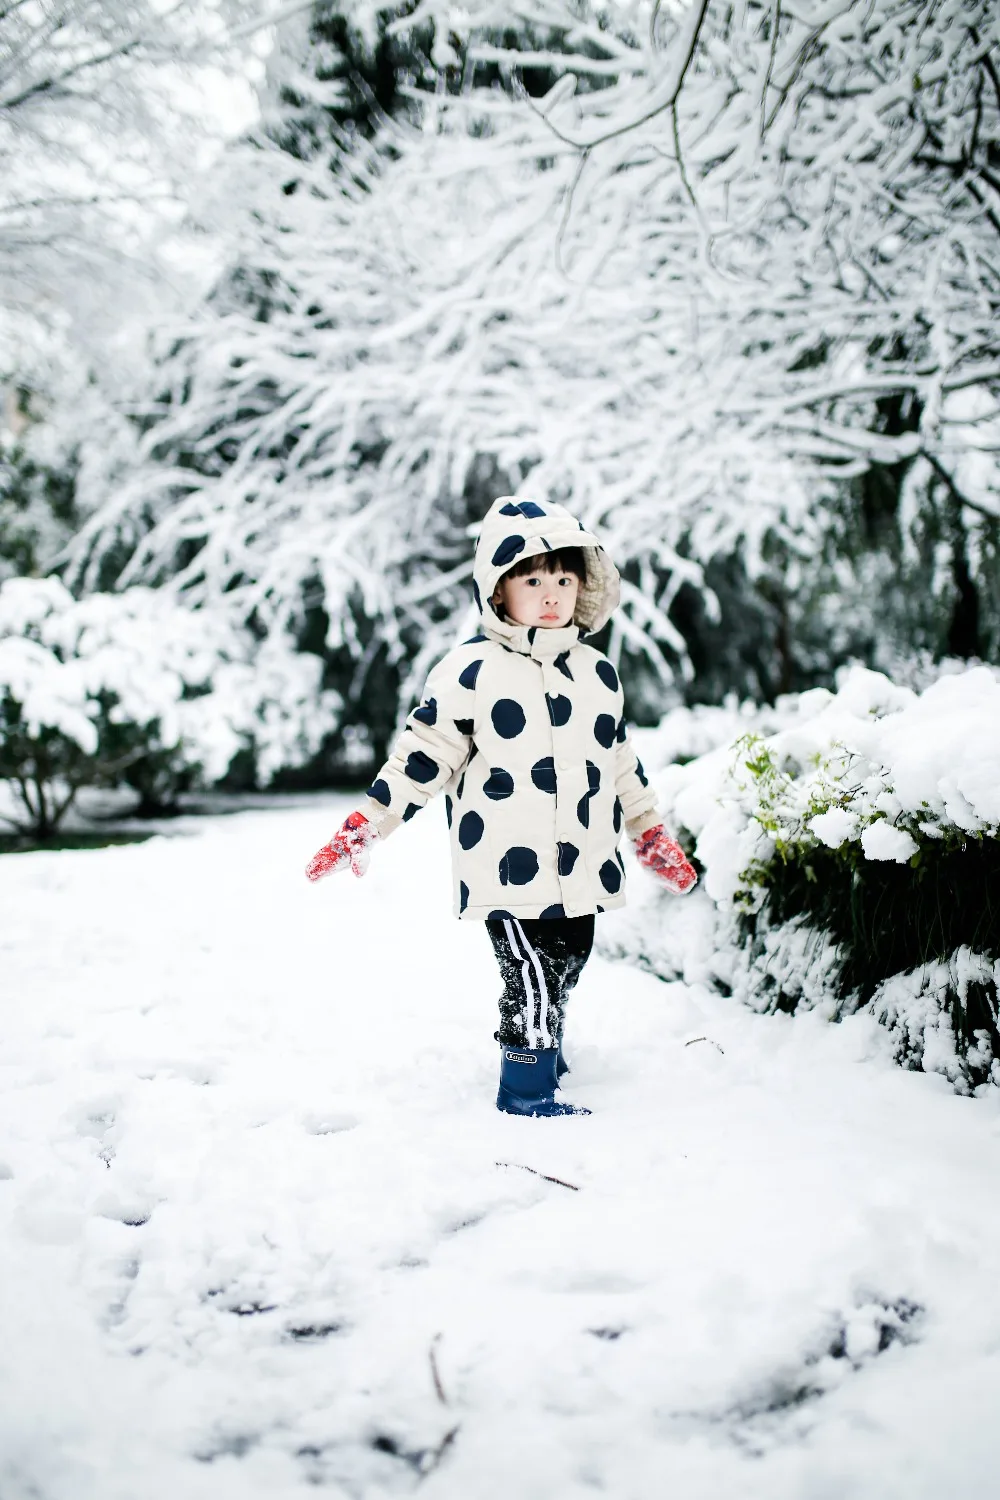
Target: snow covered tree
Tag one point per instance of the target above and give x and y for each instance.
(725, 283)
(102, 119)
(106, 109)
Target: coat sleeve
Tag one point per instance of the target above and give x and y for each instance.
(635, 794)
(433, 746)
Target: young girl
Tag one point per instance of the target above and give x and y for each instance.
(522, 727)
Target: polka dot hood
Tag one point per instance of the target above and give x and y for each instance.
(523, 730)
(515, 529)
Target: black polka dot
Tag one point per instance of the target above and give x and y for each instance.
(621, 864)
(532, 632)
(427, 712)
(552, 913)
(460, 788)
(412, 808)
(568, 856)
(641, 773)
(593, 777)
(467, 677)
(611, 876)
(500, 784)
(608, 675)
(604, 730)
(477, 596)
(543, 774)
(420, 767)
(620, 736)
(379, 792)
(509, 548)
(470, 830)
(518, 866)
(449, 808)
(562, 662)
(472, 753)
(508, 718)
(526, 508)
(499, 916)
(464, 726)
(616, 816)
(583, 810)
(600, 908)
(463, 895)
(474, 640)
(559, 709)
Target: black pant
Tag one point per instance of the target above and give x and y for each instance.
(540, 962)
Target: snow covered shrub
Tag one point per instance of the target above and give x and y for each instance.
(134, 689)
(854, 859)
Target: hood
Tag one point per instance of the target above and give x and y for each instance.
(516, 528)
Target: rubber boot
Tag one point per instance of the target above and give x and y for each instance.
(528, 1083)
(562, 1066)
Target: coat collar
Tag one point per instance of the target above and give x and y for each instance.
(529, 640)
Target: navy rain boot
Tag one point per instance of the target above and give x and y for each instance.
(562, 1066)
(528, 1083)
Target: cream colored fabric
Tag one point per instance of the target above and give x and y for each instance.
(524, 732)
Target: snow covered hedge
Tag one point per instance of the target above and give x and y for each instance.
(851, 849)
(132, 688)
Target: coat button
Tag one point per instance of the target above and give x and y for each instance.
(564, 765)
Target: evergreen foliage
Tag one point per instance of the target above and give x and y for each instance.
(889, 919)
(851, 843)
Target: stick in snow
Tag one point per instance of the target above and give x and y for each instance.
(435, 1372)
(544, 1175)
(704, 1039)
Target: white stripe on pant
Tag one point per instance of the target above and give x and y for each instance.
(538, 1034)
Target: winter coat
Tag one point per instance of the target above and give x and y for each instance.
(523, 730)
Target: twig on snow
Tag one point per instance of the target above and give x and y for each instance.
(435, 1372)
(705, 1039)
(544, 1175)
(435, 1455)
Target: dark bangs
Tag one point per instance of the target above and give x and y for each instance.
(562, 560)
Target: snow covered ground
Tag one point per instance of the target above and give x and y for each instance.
(263, 1232)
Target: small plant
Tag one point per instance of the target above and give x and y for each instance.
(855, 857)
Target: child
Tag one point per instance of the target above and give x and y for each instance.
(522, 727)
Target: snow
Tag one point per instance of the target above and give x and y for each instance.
(881, 841)
(263, 1231)
(835, 827)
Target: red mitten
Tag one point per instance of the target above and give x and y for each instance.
(664, 857)
(349, 846)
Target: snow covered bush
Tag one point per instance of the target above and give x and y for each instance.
(134, 689)
(853, 856)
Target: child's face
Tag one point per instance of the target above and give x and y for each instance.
(539, 598)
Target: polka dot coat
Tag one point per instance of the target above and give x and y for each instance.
(523, 731)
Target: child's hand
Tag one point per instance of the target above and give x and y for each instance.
(664, 857)
(349, 846)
